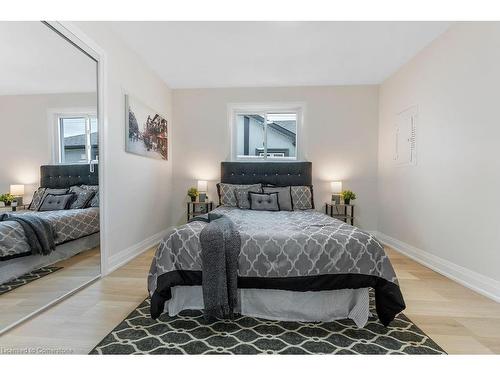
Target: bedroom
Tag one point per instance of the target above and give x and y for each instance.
(363, 218)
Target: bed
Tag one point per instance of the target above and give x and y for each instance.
(75, 230)
(293, 265)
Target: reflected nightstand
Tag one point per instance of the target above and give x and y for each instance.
(198, 208)
(21, 207)
(342, 212)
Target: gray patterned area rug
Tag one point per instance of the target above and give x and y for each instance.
(189, 333)
(27, 278)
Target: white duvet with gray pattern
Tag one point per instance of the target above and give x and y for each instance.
(68, 225)
(280, 244)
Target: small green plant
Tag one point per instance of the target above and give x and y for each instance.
(193, 193)
(7, 198)
(348, 195)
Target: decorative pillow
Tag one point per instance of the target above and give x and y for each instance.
(302, 197)
(226, 193)
(242, 199)
(94, 188)
(82, 197)
(48, 191)
(284, 196)
(264, 201)
(53, 202)
(37, 199)
(94, 202)
(56, 191)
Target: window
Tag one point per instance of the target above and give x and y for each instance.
(265, 133)
(77, 139)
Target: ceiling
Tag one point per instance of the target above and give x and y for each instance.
(246, 54)
(36, 60)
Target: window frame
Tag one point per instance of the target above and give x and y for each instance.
(56, 130)
(263, 109)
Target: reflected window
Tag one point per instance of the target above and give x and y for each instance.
(78, 139)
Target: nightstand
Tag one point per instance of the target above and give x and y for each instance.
(342, 212)
(22, 207)
(198, 208)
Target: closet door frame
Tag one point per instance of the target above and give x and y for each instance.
(80, 40)
(72, 34)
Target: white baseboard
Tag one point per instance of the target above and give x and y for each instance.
(484, 285)
(123, 257)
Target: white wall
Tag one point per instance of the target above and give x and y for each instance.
(138, 190)
(340, 126)
(448, 204)
(26, 139)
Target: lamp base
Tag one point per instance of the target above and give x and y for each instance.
(203, 197)
(335, 198)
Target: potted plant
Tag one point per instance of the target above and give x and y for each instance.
(193, 193)
(7, 198)
(348, 195)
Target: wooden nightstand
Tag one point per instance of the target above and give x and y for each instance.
(198, 208)
(342, 212)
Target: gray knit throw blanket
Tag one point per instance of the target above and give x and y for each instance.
(39, 233)
(220, 248)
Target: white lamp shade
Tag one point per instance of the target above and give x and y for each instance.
(202, 186)
(17, 190)
(336, 186)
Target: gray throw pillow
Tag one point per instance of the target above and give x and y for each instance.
(302, 197)
(52, 192)
(90, 187)
(53, 202)
(242, 199)
(264, 201)
(37, 199)
(94, 202)
(226, 193)
(56, 191)
(284, 196)
(82, 197)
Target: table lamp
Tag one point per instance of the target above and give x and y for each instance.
(18, 192)
(336, 188)
(202, 189)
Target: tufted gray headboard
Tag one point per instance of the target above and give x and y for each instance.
(64, 176)
(273, 173)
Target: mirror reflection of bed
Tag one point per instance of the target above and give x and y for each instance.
(49, 185)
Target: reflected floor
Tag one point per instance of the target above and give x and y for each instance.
(26, 299)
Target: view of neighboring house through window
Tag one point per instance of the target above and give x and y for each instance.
(78, 139)
(266, 135)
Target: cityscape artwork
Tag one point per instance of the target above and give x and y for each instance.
(146, 130)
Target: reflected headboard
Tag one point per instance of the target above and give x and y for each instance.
(273, 173)
(66, 175)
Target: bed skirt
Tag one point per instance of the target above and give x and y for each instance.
(324, 306)
(13, 268)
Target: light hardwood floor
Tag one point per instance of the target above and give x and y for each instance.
(459, 320)
(28, 298)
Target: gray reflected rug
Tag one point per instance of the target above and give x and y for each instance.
(27, 278)
(189, 333)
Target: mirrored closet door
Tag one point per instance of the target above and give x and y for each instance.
(49, 184)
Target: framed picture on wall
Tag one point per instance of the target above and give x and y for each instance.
(146, 131)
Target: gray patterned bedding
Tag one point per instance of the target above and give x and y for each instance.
(285, 250)
(68, 225)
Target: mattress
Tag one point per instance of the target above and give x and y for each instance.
(68, 225)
